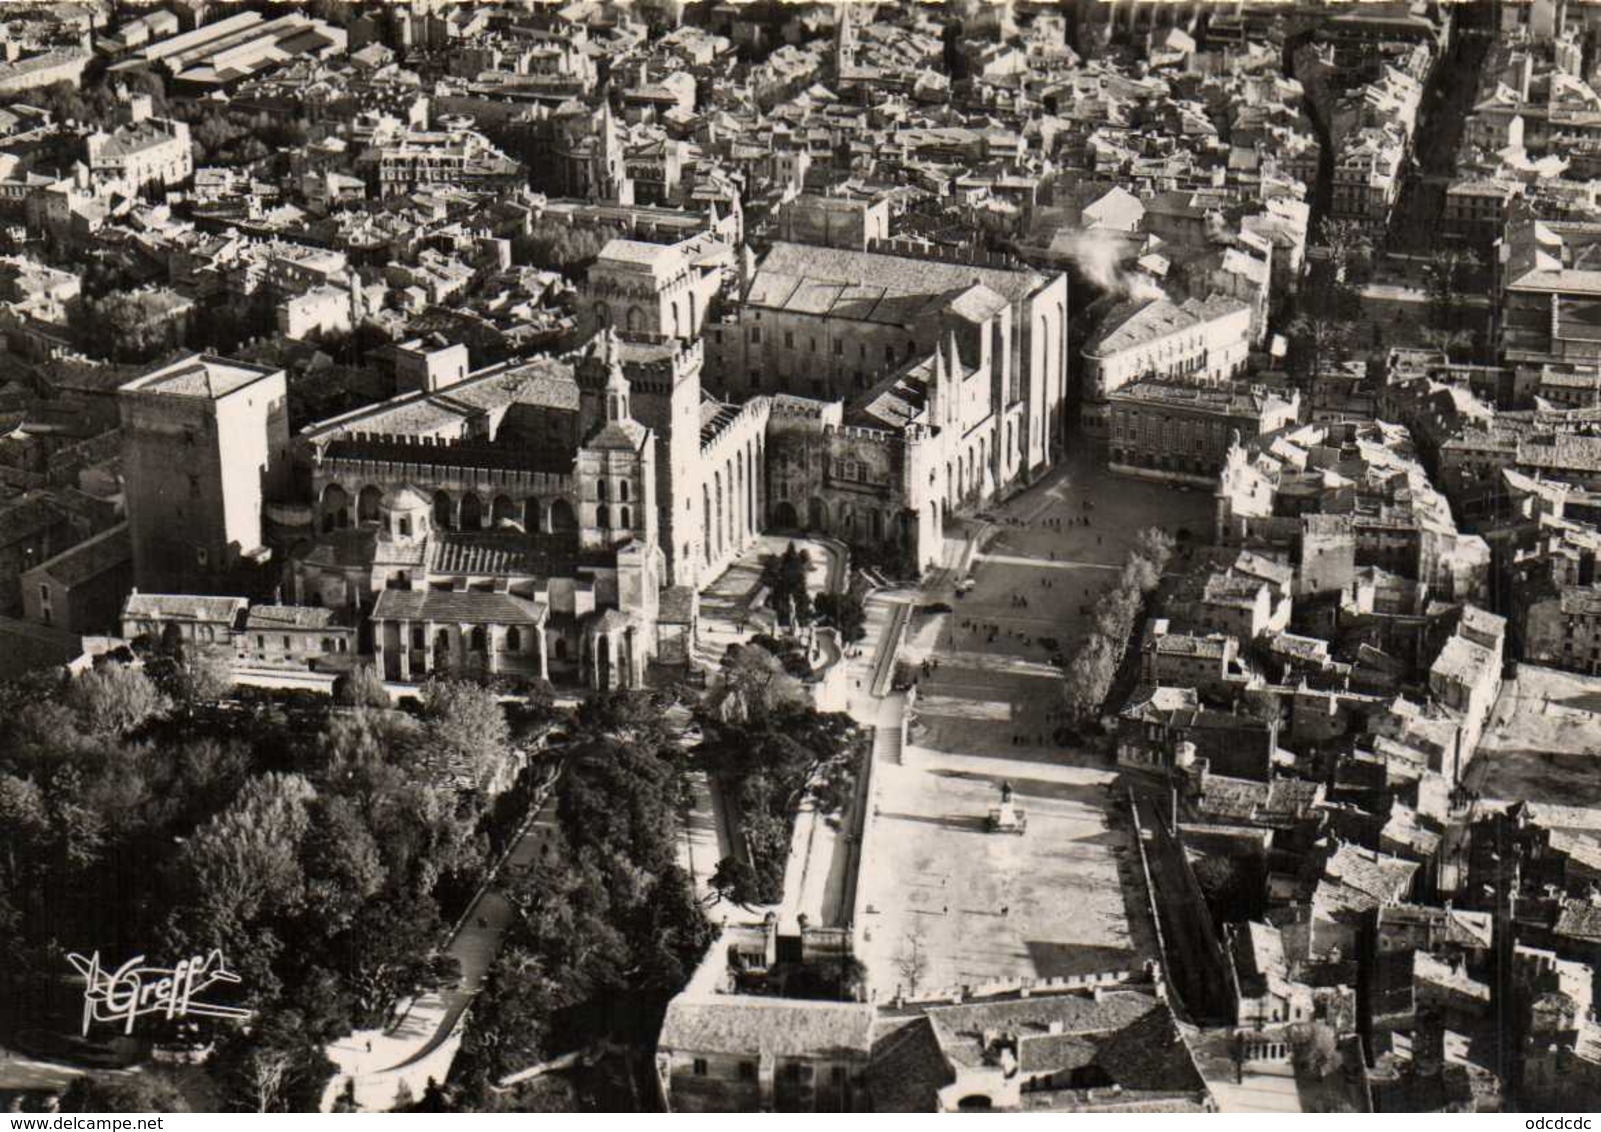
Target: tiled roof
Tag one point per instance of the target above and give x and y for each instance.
(1579, 919)
(1451, 925)
(1360, 880)
(466, 607)
(899, 399)
(91, 557)
(908, 1067)
(1258, 949)
(1465, 660)
(746, 1025)
(977, 303)
(483, 554)
(963, 1029)
(623, 435)
(183, 607)
(289, 617)
(895, 275)
(1191, 644)
(198, 376)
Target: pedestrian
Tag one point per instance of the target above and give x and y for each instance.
(1006, 909)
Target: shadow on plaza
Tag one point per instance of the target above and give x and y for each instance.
(993, 740)
(1092, 795)
(958, 823)
(1053, 960)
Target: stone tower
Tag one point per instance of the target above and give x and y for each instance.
(844, 41)
(205, 445)
(617, 467)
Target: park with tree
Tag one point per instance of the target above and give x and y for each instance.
(145, 810)
(607, 926)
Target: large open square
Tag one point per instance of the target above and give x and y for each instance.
(949, 900)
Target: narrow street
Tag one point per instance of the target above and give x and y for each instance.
(1447, 100)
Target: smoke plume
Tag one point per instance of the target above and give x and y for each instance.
(1098, 255)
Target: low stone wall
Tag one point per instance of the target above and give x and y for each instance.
(930, 996)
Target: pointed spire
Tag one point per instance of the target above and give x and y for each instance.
(618, 389)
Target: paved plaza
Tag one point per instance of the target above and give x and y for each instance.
(1542, 745)
(948, 899)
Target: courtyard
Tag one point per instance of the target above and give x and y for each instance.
(942, 897)
(1541, 745)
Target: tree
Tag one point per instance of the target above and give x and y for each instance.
(1448, 342)
(202, 679)
(1139, 577)
(621, 801)
(1231, 887)
(79, 829)
(912, 963)
(1260, 704)
(1155, 546)
(343, 866)
(114, 699)
(1089, 677)
(150, 83)
(150, 1090)
(1314, 1049)
(511, 1020)
(668, 933)
(1319, 341)
(754, 686)
(845, 612)
(561, 247)
(385, 954)
(276, 1066)
(1446, 277)
(131, 326)
(785, 579)
(361, 687)
(244, 865)
(623, 716)
(1349, 246)
(735, 880)
(466, 726)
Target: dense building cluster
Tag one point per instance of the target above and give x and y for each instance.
(731, 362)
